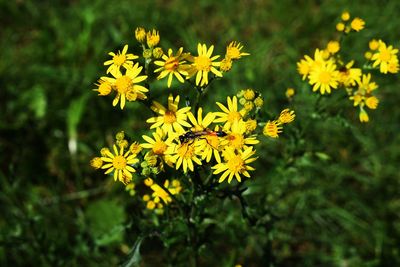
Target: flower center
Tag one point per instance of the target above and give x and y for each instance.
(325, 77)
(236, 140)
(159, 147)
(171, 64)
(234, 116)
(169, 117)
(233, 52)
(202, 63)
(236, 164)
(123, 84)
(385, 55)
(119, 162)
(119, 59)
(185, 151)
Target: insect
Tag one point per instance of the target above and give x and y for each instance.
(192, 135)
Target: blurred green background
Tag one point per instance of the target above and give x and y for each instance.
(331, 182)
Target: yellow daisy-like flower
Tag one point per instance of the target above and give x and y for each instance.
(172, 65)
(159, 193)
(230, 114)
(233, 51)
(286, 116)
(170, 119)
(340, 27)
(324, 77)
(357, 24)
(235, 165)
(272, 129)
(140, 34)
(201, 123)
(304, 66)
(349, 76)
(384, 55)
(96, 162)
(184, 155)
(126, 85)
(393, 65)
(119, 163)
(203, 64)
(236, 137)
(345, 16)
(120, 59)
(372, 102)
(226, 65)
(366, 85)
(157, 144)
(104, 87)
(373, 44)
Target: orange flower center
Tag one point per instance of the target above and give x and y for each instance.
(169, 117)
(159, 147)
(123, 84)
(119, 59)
(119, 162)
(236, 164)
(236, 140)
(202, 63)
(325, 77)
(171, 64)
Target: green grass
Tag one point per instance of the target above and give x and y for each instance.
(330, 182)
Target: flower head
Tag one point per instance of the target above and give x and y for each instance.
(236, 164)
(357, 24)
(170, 119)
(184, 154)
(140, 34)
(158, 144)
(272, 129)
(286, 116)
(233, 51)
(153, 38)
(203, 64)
(104, 87)
(126, 85)
(324, 77)
(384, 56)
(229, 114)
(172, 65)
(120, 163)
(120, 59)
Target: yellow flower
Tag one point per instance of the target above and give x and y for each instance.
(290, 92)
(235, 165)
(373, 44)
(345, 16)
(349, 76)
(120, 163)
(135, 148)
(363, 116)
(158, 52)
(384, 55)
(103, 87)
(333, 47)
(249, 94)
(201, 123)
(368, 55)
(357, 24)
(393, 65)
(126, 85)
(304, 66)
(366, 85)
(226, 65)
(184, 155)
(140, 34)
(120, 59)
(159, 193)
(372, 102)
(153, 38)
(251, 125)
(96, 162)
(172, 65)
(203, 64)
(230, 114)
(258, 102)
(324, 77)
(233, 51)
(272, 129)
(236, 137)
(157, 144)
(286, 116)
(340, 27)
(170, 119)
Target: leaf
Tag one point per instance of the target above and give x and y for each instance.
(134, 254)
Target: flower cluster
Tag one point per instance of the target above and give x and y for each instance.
(326, 70)
(182, 139)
